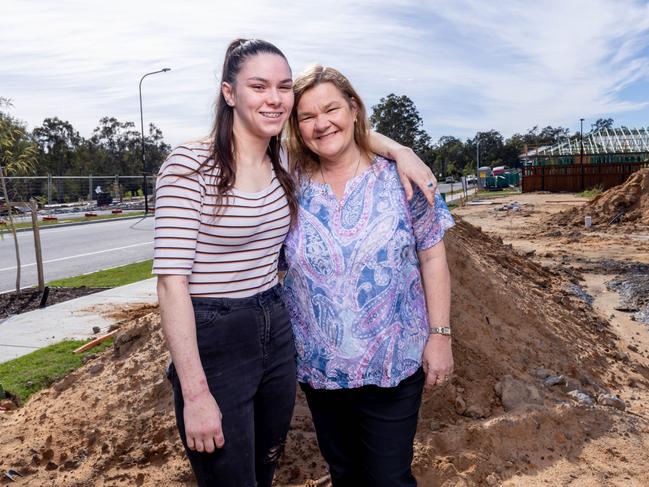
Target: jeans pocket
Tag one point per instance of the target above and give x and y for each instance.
(205, 315)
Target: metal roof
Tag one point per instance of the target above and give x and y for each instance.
(604, 141)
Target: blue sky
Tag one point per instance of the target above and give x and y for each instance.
(468, 65)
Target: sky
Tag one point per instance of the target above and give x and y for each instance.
(468, 65)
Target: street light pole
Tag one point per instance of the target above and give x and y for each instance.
(477, 164)
(146, 197)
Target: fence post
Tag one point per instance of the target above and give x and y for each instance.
(33, 206)
(49, 189)
(89, 187)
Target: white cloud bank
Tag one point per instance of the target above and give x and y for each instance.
(468, 65)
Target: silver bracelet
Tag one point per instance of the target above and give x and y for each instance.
(439, 330)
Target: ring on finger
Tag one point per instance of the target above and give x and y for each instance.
(430, 184)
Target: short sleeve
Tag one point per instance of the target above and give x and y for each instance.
(429, 222)
(180, 190)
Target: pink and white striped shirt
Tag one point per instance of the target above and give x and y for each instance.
(232, 255)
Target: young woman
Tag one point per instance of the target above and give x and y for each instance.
(223, 209)
(367, 288)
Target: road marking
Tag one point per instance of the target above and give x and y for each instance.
(77, 256)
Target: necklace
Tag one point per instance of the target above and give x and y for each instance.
(355, 170)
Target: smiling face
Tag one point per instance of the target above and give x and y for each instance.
(326, 121)
(262, 96)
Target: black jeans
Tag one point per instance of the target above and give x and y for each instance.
(247, 351)
(366, 434)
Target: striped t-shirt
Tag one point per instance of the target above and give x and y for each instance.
(234, 254)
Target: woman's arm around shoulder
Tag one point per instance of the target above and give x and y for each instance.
(409, 166)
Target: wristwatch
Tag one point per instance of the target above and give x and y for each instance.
(439, 330)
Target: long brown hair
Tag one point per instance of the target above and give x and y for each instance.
(303, 159)
(222, 140)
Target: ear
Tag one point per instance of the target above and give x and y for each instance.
(354, 107)
(228, 93)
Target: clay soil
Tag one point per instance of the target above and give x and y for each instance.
(526, 310)
(30, 299)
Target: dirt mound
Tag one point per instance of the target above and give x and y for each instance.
(525, 339)
(625, 203)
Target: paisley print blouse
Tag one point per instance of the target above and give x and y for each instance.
(353, 286)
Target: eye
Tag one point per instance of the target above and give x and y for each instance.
(332, 109)
(305, 118)
(286, 87)
(258, 87)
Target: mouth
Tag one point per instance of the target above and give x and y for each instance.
(271, 115)
(326, 136)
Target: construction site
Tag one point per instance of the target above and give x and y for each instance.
(550, 309)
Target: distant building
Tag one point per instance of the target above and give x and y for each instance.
(604, 146)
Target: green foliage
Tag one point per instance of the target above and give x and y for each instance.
(140, 192)
(114, 148)
(603, 123)
(30, 373)
(117, 276)
(17, 150)
(591, 192)
(397, 117)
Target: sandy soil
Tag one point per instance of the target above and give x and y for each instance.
(526, 337)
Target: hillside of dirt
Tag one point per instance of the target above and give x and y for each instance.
(533, 400)
(626, 204)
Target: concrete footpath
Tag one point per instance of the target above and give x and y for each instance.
(73, 319)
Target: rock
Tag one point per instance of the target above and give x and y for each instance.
(541, 373)
(51, 466)
(7, 405)
(492, 480)
(622, 356)
(611, 401)
(581, 397)
(460, 405)
(633, 348)
(95, 369)
(571, 384)
(553, 380)
(434, 425)
(96, 329)
(476, 411)
(514, 393)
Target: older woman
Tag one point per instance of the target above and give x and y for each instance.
(367, 288)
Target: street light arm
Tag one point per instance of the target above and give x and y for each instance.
(146, 202)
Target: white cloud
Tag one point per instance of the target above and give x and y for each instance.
(467, 64)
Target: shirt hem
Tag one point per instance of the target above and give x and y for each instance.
(393, 382)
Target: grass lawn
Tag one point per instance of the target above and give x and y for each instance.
(42, 223)
(30, 373)
(117, 276)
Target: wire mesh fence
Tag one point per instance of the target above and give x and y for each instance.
(52, 190)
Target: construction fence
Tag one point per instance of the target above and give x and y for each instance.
(52, 190)
(577, 177)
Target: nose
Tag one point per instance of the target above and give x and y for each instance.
(321, 123)
(274, 97)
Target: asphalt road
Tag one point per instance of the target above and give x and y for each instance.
(75, 250)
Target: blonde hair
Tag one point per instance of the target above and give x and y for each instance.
(302, 159)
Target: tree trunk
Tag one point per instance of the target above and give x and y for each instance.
(33, 205)
(13, 228)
